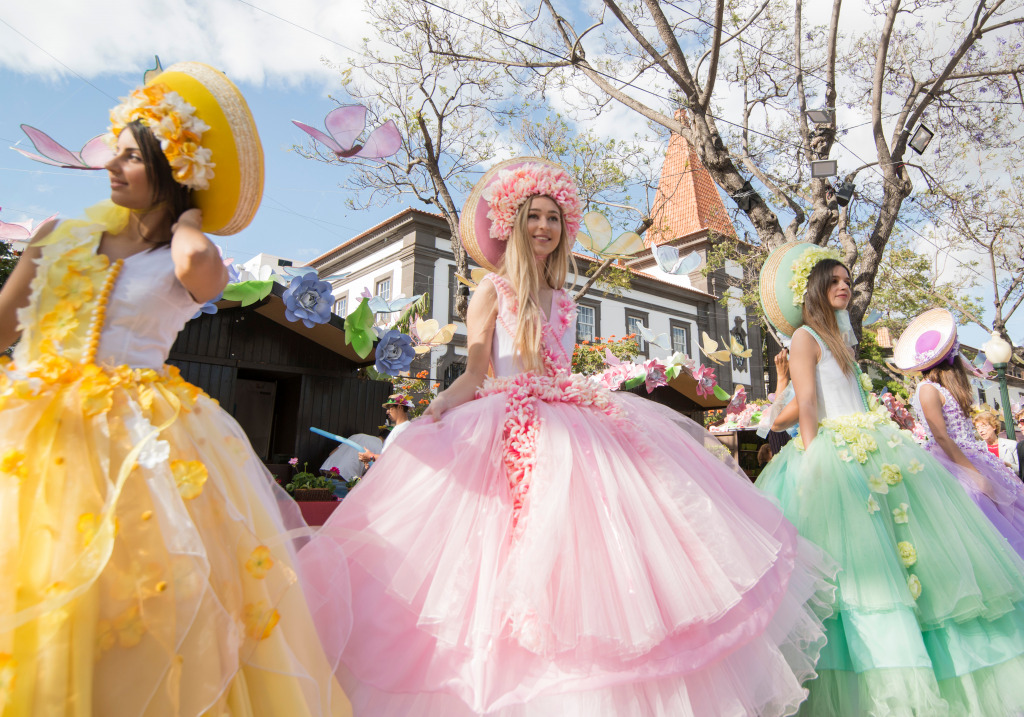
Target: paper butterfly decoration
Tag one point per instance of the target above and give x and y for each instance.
(659, 340)
(345, 125)
(380, 305)
(21, 231)
(94, 155)
(736, 348)
(600, 240)
(872, 316)
(670, 262)
(710, 349)
(429, 334)
(477, 275)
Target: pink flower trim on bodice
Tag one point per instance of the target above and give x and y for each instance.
(522, 423)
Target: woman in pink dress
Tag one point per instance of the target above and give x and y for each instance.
(539, 545)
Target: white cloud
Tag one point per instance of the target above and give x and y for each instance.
(240, 38)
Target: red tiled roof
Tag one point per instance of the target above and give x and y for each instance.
(687, 201)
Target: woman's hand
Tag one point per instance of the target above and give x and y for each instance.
(782, 368)
(436, 408)
(190, 219)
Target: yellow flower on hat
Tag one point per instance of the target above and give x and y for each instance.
(908, 554)
(190, 477)
(259, 562)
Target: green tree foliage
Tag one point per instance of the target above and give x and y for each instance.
(588, 357)
(8, 260)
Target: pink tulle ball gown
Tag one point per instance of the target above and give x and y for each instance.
(553, 548)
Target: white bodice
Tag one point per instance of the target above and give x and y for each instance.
(559, 334)
(838, 394)
(147, 308)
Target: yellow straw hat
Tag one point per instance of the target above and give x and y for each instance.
(231, 196)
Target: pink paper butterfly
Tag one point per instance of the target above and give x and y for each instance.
(345, 125)
(94, 155)
(15, 231)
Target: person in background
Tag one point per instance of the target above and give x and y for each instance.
(397, 408)
(1020, 445)
(989, 426)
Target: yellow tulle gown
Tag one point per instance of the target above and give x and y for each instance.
(147, 564)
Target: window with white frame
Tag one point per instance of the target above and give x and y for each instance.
(586, 328)
(680, 338)
(341, 306)
(634, 320)
(383, 289)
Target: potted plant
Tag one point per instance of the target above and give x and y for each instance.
(306, 486)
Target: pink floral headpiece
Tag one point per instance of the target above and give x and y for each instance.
(514, 186)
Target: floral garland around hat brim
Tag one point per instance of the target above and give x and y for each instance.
(512, 187)
(173, 122)
(802, 269)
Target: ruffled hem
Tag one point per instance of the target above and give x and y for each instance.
(638, 556)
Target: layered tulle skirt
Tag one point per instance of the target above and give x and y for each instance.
(1001, 499)
(146, 564)
(930, 603)
(548, 552)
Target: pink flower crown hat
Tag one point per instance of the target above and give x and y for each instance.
(488, 215)
(930, 339)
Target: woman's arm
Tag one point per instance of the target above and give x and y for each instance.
(803, 357)
(789, 415)
(15, 294)
(197, 262)
(931, 407)
(480, 318)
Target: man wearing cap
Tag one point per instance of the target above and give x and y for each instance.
(397, 408)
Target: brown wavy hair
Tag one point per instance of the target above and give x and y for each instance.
(955, 380)
(819, 315)
(164, 188)
(520, 268)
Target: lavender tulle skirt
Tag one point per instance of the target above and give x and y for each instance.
(1004, 505)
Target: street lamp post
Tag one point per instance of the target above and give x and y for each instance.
(998, 351)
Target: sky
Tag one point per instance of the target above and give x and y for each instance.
(65, 63)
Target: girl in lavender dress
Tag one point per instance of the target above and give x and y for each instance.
(942, 404)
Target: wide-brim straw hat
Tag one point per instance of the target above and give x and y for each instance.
(926, 341)
(475, 226)
(235, 190)
(773, 286)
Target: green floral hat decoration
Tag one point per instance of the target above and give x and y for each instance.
(783, 282)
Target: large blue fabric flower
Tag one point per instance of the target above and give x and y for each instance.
(308, 299)
(394, 353)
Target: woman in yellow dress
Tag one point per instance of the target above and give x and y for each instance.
(146, 564)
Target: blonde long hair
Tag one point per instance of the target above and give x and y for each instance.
(819, 315)
(520, 268)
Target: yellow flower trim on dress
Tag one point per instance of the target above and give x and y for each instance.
(12, 462)
(259, 562)
(865, 382)
(259, 619)
(95, 391)
(129, 627)
(877, 485)
(914, 585)
(873, 506)
(106, 637)
(899, 515)
(173, 122)
(802, 269)
(891, 473)
(87, 526)
(908, 554)
(190, 477)
(914, 467)
(8, 674)
(59, 323)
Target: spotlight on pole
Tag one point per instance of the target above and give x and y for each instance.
(822, 116)
(745, 197)
(844, 193)
(922, 136)
(821, 168)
